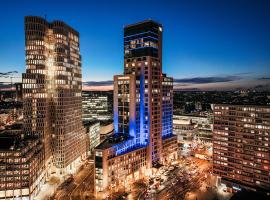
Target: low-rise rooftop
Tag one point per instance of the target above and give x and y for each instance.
(110, 142)
(14, 142)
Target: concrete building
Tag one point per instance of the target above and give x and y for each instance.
(52, 87)
(142, 112)
(185, 131)
(190, 127)
(241, 146)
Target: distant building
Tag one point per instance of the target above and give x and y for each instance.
(21, 166)
(198, 106)
(143, 102)
(10, 113)
(18, 91)
(96, 106)
(7, 96)
(93, 133)
(241, 146)
(193, 126)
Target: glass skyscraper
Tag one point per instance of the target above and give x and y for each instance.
(52, 88)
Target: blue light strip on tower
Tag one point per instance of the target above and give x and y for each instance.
(137, 34)
(115, 120)
(132, 126)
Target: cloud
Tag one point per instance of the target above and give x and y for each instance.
(98, 83)
(203, 80)
(6, 74)
(262, 87)
(244, 73)
(186, 89)
(264, 78)
(223, 83)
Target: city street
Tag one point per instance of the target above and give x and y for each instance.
(81, 186)
(189, 179)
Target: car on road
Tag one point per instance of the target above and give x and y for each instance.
(171, 168)
(69, 179)
(174, 181)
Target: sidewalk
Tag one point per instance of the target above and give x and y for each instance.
(208, 191)
(48, 189)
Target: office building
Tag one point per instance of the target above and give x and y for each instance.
(18, 91)
(96, 106)
(241, 146)
(142, 112)
(93, 133)
(52, 87)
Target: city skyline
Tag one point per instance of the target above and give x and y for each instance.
(154, 136)
(216, 45)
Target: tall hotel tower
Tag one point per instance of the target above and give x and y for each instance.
(52, 88)
(142, 111)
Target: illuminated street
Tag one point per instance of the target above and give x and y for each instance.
(189, 179)
(79, 187)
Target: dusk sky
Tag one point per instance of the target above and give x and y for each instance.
(206, 44)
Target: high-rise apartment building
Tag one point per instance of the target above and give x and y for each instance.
(241, 146)
(143, 102)
(52, 88)
(167, 106)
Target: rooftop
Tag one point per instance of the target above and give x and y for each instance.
(12, 142)
(15, 127)
(148, 21)
(110, 142)
(90, 123)
(183, 122)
